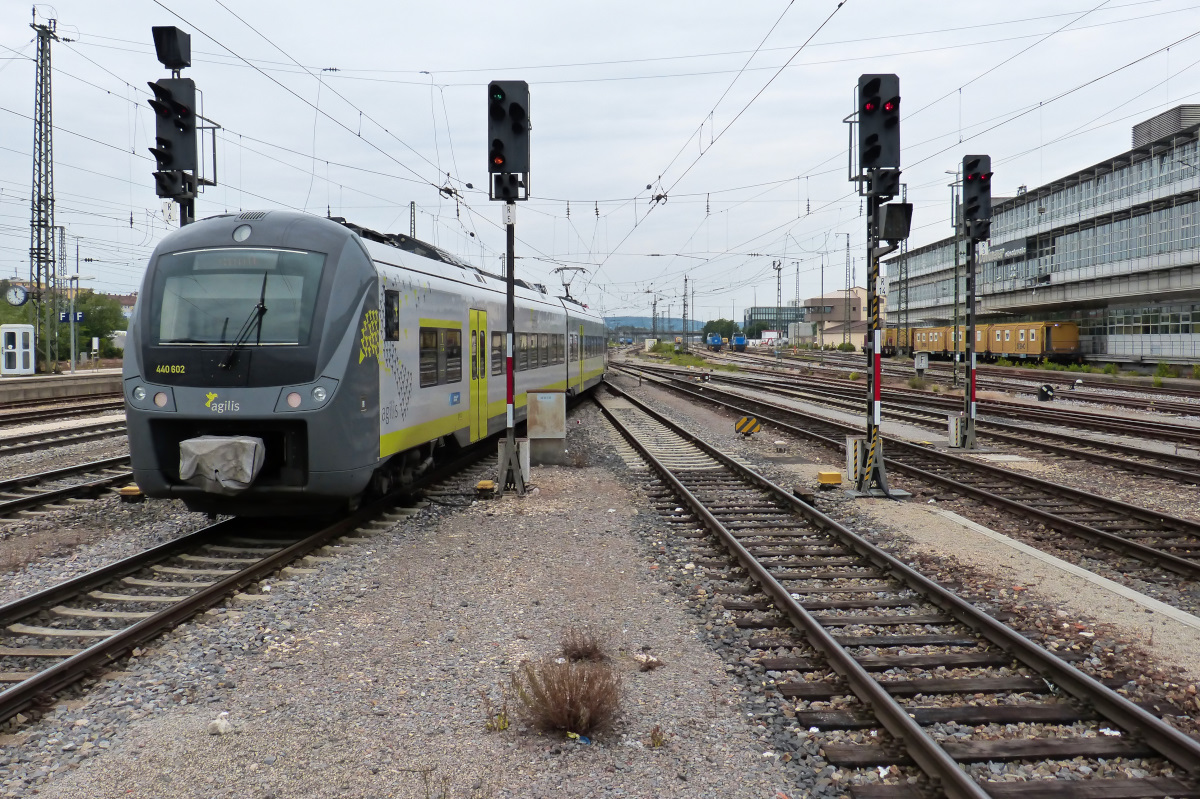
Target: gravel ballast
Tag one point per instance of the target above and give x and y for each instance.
(368, 677)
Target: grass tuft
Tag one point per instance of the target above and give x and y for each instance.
(583, 643)
(557, 694)
(916, 382)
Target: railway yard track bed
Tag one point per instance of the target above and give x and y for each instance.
(333, 697)
(363, 671)
(1147, 545)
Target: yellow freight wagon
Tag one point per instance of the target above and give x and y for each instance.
(1033, 339)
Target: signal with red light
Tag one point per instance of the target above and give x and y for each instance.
(508, 126)
(879, 122)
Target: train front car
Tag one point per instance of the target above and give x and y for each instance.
(738, 342)
(246, 391)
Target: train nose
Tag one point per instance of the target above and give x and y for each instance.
(221, 464)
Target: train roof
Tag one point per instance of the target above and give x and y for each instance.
(399, 241)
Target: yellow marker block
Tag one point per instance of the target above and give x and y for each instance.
(829, 478)
(747, 425)
(131, 493)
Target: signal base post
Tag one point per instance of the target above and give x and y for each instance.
(872, 474)
(511, 476)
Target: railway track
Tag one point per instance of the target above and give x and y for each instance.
(1139, 460)
(845, 624)
(45, 439)
(45, 488)
(1154, 547)
(43, 414)
(1188, 436)
(994, 378)
(43, 401)
(52, 639)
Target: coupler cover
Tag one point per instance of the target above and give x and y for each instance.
(221, 464)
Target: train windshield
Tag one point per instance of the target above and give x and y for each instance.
(210, 296)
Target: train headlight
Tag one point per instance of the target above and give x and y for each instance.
(293, 400)
(139, 393)
(160, 399)
(241, 233)
(319, 393)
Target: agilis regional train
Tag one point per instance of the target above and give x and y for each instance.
(279, 363)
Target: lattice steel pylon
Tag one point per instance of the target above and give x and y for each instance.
(43, 274)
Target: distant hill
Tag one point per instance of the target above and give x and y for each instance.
(644, 323)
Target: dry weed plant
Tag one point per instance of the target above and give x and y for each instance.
(583, 643)
(495, 720)
(558, 694)
(657, 737)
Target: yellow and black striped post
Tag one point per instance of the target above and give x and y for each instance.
(873, 474)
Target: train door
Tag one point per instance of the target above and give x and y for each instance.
(582, 356)
(479, 375)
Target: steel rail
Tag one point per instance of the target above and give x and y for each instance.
(1001, 431)
(61, 412)
(1179, 748)
(1005, 383)
(13, 504)
(1156, 557)
(920, 745)
(40, 401)
(45, 439)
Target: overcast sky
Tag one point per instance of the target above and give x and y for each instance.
(691, 97)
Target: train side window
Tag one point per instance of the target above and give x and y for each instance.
(522, 352)
(1020, 335)
(1033, 335)
(997, 335)
(573, 355)
(428, 355)
(391, 316)
(1007, 335)
(558, 347)
(544, 346)
(497, 353)
(452, 346)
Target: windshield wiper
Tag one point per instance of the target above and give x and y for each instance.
(253, 321)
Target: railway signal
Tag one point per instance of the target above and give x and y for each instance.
(977, 216)
(977, 195)
(508, 168)
(877, 115)
(174, 104)
(879, 122)
(177, 125)
(508, 126)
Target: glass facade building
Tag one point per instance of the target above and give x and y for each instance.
(774, 317)
(1115, 247)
